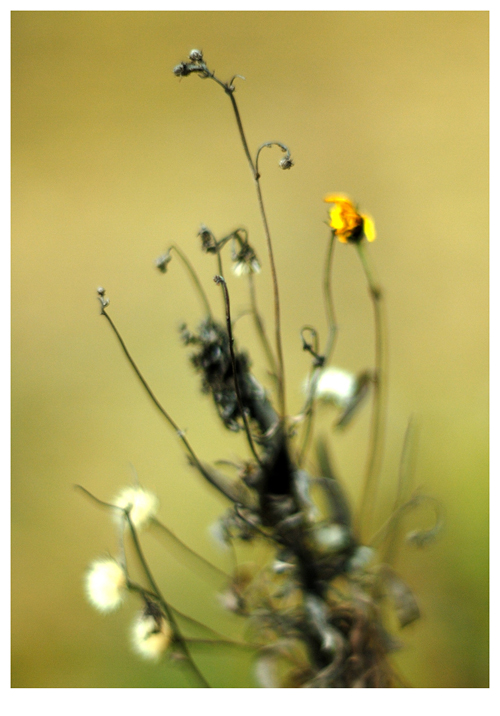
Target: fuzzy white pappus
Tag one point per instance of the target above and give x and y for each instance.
(336, 386)
(143, 503)
(150, 636)
(105, 584)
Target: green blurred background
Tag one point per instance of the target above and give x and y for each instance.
(113, 159)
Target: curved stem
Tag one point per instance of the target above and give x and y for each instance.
(194, 277)
(377, 421)
(282, 146)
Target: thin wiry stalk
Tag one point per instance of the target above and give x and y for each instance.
(259, 327)
(194, 276)
(177, 632)
(155, 590)
(377, 421)
(332, 334)
(180, 434)
(229, 90)
(220, 280)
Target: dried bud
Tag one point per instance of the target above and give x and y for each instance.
(151, 633)
(162, 261)
(196, 55)
(142, 505)
(182, 70)
(208, 242)
(245, 261)
(286, 162)
(102, 299)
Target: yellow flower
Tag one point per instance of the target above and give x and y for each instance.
(347, 224)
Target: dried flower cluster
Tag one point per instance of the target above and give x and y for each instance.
(316, 610)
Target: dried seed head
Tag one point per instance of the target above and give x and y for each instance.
(182, 70)
(142, 505)
(196, 55)
(105, 584)
(286, 163)
(245, 261)
(151, 634)
(208, 242)
(162, 261)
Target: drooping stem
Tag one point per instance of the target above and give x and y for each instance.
(375, 449)
(194, 277)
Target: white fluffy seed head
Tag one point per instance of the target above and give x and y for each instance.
(150, 636)
(336, 386)
(105, 584)
(144, 505)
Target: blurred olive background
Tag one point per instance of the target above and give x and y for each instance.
(114, 159)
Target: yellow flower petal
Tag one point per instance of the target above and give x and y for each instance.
(346, 222)
(337, 198)
(369, 228)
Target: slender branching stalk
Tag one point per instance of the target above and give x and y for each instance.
(229, 90)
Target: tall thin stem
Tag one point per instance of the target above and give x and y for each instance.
(229, 90)
(259, 326)
(377, 421)
(332, 334)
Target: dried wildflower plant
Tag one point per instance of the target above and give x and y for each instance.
(318, 610)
